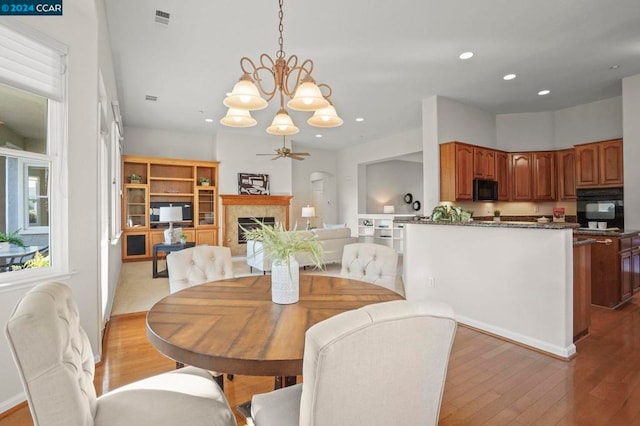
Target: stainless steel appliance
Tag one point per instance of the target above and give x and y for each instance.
(601, 205)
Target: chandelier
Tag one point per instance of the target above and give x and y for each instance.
(282, 77)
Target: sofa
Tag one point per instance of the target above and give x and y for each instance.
(332, 241)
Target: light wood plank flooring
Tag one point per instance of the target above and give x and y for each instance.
(489, 381)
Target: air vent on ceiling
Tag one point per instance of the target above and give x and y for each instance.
(162, 17)
(150, 98)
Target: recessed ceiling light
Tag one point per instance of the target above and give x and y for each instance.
(544, 92)
(614, 67)
(359, 119)
(318, 136)
(209, 120)
(466, 55)
(509, 77)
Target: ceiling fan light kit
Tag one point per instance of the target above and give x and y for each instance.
(289, 79)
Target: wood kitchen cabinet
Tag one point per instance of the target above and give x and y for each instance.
(484, 163)
(521, 168)
(599, 164)
(544, 176)
(456, 171)
(615, 270)
(566, 174)
(502, 175)
(581, 290)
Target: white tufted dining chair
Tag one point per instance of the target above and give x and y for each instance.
(56, 364)
(373, 263)
(343, 358)
(197, 265)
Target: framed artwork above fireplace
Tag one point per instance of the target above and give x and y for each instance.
(253, 184)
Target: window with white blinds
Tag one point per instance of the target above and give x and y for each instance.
(29, 64)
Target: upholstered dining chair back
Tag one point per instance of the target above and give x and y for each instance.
(56, 365)
(383, 364)
(197, 265)
(372, 263)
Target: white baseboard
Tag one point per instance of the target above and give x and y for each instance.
(562, 352)
(8, 404)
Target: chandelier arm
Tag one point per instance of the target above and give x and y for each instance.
(249, 67)
(298, 73)
(327, 88)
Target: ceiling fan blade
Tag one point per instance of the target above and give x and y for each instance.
(266, 154)
(277, 156)
(299, 153)
(295, 157)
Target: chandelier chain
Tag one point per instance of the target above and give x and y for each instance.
(280, 53)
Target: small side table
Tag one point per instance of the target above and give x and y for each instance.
(166, 248)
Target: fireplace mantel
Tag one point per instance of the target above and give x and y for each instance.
(255, 200)
(234, 206)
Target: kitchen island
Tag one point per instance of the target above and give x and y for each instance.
(510, 279)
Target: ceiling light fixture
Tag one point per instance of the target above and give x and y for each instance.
(466, 55)
(289, 79)
(509, 77)
(359, 119)
(544, 92)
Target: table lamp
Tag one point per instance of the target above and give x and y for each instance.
(170, 214)
(388, 209)
(308, 212)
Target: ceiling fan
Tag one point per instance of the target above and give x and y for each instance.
(285, 152)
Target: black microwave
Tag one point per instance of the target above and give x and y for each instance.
(485, 190)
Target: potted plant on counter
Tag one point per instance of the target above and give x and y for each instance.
(204, 181)
(281, 246)
(496, 215)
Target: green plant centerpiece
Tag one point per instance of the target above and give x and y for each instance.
(448, 213)
(12, 238)
(204, 181)
(496, 215)
(281, 246)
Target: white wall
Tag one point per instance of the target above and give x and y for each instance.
(595, 121)
(631, 103)
(473, 269)
(350, 158)
(529, 132)
(237, 154)
(168, 144)
(78, 29)
(389, 181)
(320, 160)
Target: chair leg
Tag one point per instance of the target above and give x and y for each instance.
(220, 381)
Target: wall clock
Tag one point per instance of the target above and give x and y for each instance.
(416, 205)
(408, 198)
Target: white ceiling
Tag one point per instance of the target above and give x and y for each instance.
(380, 58)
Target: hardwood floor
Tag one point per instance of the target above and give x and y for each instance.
(489, 381)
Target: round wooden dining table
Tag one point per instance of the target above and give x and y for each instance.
(233, 326)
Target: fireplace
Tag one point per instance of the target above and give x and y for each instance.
(251, 223)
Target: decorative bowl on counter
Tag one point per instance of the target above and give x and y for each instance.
(543, 219)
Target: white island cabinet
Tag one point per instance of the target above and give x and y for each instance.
(511, 281)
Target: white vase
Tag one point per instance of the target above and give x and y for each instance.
(285, 281)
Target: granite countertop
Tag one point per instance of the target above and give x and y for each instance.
(583, 241)
(612, 232)
(502, 224)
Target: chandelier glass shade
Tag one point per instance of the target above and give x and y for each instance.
(281, 77)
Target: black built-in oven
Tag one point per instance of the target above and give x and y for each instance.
(601, 205)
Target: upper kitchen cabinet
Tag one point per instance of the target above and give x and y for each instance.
(533, 176)
(566, 177)
(484, 163)
(599, 164)
(521, 176)
(544, 176)
(456, 171)
(502, 175)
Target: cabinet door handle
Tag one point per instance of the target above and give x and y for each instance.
(607, 242)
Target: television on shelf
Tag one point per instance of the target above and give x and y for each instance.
(154, 214)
